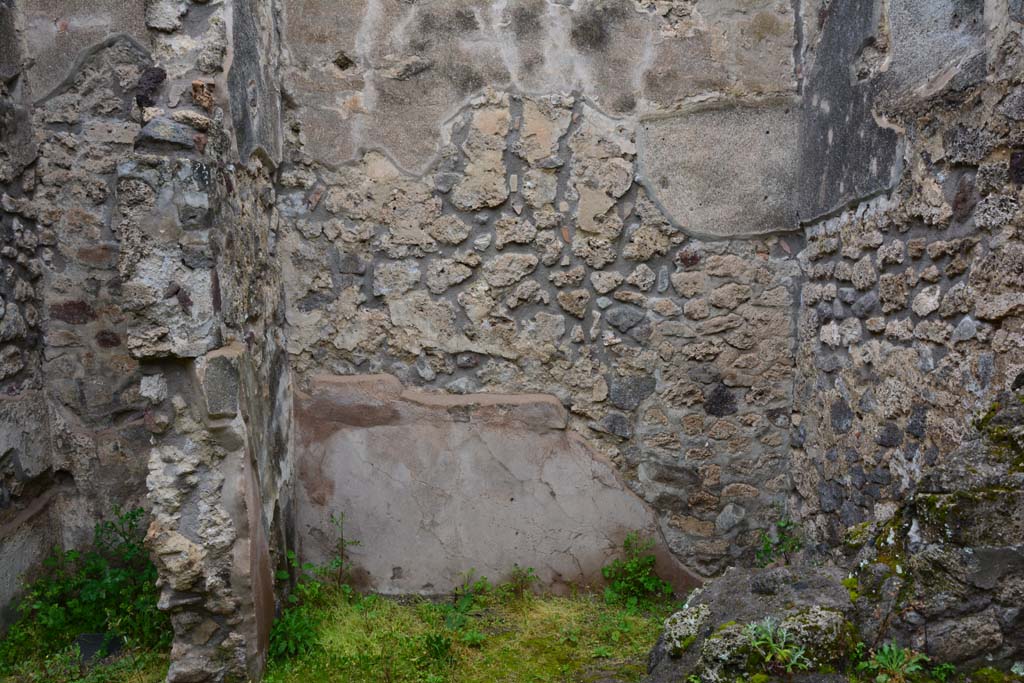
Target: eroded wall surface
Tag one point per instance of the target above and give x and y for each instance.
(597, 218)
(30, 487)
(907, 446)
(506, 198)
(765, 254)
(144, 360)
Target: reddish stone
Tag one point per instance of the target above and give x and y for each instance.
(73, 312)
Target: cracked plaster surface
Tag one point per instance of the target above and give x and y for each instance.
(440, 485)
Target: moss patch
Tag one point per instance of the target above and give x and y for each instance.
(990, 674)
(955, 516)
(685, 644)
(857, 535)
(852, 585)
(1005, 445)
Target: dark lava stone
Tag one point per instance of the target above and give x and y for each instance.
(626, 393)
(719, 401)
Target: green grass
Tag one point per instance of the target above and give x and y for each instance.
(327, 632)
(497, 638)
(133, 667)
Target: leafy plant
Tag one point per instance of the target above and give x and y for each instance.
(859, 653)
(784, 543)
(294, 633)
(468, 598)
(570, 636)
(893, 663)
(109, 588)
(632, 581)
(771, 643)
(309, 589)
(942, 672)
(472, 593)
(438, 647)
(521, 581)
(613, 627)
(339, 566)
(473, 638)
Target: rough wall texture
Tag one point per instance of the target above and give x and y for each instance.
(28, 483)
(527, 251)
(907, 445)
(77, 429)
(766, 255)
(143, 351)
(386, 74)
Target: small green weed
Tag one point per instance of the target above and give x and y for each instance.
(339, 566)
(773, 648)
(859, 653)
(632, 581)
(438, 647)
(294, 633)
(570, 636)
(521, 581)
(473, 638)
(614, 627)
(893, 663)
(942, 672)
(784, 543)
(473, 591)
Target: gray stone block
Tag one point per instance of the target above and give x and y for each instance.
(220, 387)
(626, 393)
(929, 38)
(169, 132)
(624, 318)
(720, 401)
(724, 172)
(841, 417)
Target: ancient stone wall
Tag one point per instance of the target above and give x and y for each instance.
(910, 324)
(908, 319)
(75, 439)
(455, 218)
(765, 254)
(28, 482)
(144, 320)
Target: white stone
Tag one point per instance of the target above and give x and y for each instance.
(927, 301)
